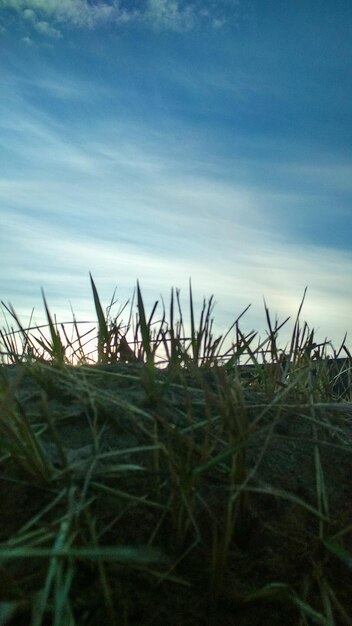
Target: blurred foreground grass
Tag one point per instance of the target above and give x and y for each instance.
(210, 488)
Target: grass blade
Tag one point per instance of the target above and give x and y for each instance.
(103, 332)
(57, 350)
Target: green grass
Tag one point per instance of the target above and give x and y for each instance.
(159, 479)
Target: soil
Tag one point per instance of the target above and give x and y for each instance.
(96, 410)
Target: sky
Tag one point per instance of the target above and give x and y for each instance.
(169, 140)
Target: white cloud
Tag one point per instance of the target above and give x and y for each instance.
(45, 29)
(50, 15)
(78, 13)
(29, 15)
(168, 14)
(28, 41)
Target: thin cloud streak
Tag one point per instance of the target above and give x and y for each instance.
(232, 292)
(238, 274)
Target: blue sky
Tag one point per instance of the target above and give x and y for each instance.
(163, 140)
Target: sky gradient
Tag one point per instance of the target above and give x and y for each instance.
(163, 140)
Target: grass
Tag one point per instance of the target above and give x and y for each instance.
(208, 488)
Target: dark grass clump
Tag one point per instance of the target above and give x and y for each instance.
(189, 487)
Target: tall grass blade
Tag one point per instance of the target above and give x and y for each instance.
(144, 326)
(57, 349)
(103, 332)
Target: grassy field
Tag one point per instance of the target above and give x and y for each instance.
(211, 489)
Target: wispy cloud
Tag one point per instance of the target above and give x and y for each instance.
(42, 27)
(49, 17)
(236, 263)
(126, 199)
(57, 13)
(167, 14)
(125, 204)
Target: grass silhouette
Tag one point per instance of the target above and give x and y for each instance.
(209, 487)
